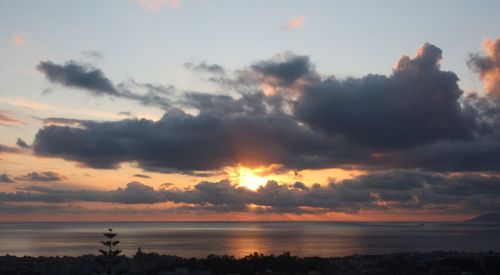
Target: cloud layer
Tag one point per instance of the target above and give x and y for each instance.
(47, 176)
(378, 192)
(408, 130)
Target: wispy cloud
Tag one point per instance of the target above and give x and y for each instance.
(83, 76)
(7, 120)
(295, 22)
(47, 176)
(18, 40)
(42, 107)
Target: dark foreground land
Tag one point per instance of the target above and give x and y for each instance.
(441, 263)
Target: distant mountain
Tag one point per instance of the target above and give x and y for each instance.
(488, 217)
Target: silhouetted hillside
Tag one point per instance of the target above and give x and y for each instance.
(442, 263)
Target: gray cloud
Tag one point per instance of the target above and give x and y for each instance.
(126, 113)
(94, 54)
(418, 104)
(205, 67)
(8, 149)
(399, 190)
(47, 176)
(21, 143)
(286, 69)
(142, 176)
(183, 142)
(417, 117)
(75, 75)
(5, 178)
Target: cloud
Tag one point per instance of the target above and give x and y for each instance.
(21, 143)
(153, 95)
(93, 54)
(390, 191)
(18, 40)
(307, 121)
(76, 75)
(8, 149)
(226, 132)
(205, 67)
(61, 121)
(418, 104)
(47, 176)
(141, 176)
(93, 80)
(488, 66)
(4, 178)
(7, 120)
(284, 70)
(126, 113)
(295, 22)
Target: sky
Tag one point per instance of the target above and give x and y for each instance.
(258, 110)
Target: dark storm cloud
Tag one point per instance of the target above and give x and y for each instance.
(21, 143)
(418, 104)
(398, 190)
(47, 176)
(5, 178)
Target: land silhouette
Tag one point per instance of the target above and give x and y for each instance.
(487, 217)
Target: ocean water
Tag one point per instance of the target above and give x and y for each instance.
(199, 239)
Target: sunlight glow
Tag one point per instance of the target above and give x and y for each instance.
(250, 179)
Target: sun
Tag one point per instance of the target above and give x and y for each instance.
(249, 178)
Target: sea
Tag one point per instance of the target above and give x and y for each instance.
(200, 239)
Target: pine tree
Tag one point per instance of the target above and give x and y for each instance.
(110, 253)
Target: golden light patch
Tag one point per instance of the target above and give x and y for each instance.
(249, 178)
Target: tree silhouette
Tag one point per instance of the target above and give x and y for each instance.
(110, 253)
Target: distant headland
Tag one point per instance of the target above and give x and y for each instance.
(488, 217)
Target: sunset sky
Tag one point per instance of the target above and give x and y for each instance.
(249, 110)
